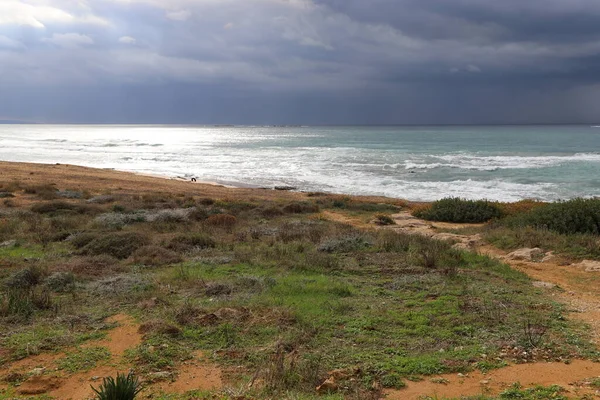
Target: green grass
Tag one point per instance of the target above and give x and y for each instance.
(46, 338)
(83, 359)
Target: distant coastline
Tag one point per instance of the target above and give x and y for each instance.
(15, 122)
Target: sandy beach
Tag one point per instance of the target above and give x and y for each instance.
(75, 177)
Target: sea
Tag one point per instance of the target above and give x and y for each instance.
(420, 163)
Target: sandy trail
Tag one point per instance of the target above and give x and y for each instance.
(195, 374)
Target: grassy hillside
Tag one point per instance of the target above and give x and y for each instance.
(276, 294)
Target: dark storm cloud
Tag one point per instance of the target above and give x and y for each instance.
(300, 61)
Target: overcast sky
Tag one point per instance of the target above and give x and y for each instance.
(300, 61)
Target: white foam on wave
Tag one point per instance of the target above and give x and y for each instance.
(493, 163)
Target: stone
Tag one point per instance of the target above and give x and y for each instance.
(160, 376)
(285, 188)
(549, 257)
(544, 285)
(8, 243)
(589, 265)
(37, 371)
(526, 254)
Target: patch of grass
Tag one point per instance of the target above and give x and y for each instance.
(460, 211)
(578, 246)
(44, 337)
(83, 359)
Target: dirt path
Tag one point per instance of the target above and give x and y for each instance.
(580, 292)
(44, 378)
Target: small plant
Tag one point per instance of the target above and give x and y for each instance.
(125, 387)
(382, 220)
(533, 334)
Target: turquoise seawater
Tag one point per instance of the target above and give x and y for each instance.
(417, 163)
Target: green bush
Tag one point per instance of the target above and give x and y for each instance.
(125, 387)
(566, 217)
(454, 209)
(118, 245)
(186, 242)
(55, 207)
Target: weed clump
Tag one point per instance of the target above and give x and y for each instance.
(454, 209)
(118, 245)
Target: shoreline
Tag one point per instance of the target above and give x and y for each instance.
(69, 176)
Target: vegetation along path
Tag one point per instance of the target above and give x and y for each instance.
(577, 285)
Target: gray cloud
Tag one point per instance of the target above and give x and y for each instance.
(301, 61)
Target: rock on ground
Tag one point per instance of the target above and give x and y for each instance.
(526, 254)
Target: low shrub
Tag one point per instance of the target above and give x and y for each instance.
(55, 207)
(271, 212)
(382, 220)
(101, 265)
(198, 214)
(117, 220)
(460, 211)
(346, 243)
(81, 240)
(191, 241)
(566, 217)
(61, 282)
(44, 192)
(155, 256)
(20, 303)
(396, 242)
(25, 278)
(301, 230)
(222, 221)
(301, 208)
(118, 245)
(102, 199)
(159, 328)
